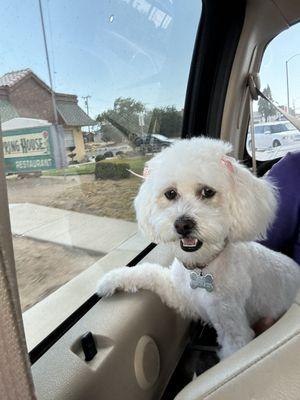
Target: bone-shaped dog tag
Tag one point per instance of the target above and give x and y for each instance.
(202, 281)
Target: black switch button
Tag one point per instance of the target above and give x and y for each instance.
(88, 346)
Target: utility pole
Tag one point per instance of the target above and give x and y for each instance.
(287, 80)
(86, 102)
(141, 122)
(48, 65)
(287, 86)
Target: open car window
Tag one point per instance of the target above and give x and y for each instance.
(275, 136)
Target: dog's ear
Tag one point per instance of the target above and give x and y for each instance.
(252, 204)
(142, 205)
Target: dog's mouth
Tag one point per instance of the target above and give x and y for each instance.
(190, 244)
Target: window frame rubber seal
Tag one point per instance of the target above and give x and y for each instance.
(215, 47)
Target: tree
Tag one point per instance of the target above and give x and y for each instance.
(124, 117)
(128, 106)
(110, 133)
(264, 107)
(166, 121)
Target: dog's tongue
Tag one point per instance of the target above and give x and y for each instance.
(189, 241)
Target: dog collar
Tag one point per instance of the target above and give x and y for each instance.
(203, 266)
(196, 267)
(200, 280)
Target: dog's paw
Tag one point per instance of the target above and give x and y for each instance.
(114, 281)
(108, 284)
(226, 351)
(229, 347)
(223, 353)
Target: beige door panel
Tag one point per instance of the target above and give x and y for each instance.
(139, 342)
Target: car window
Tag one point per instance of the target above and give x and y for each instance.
(109, 96)
(278, 128)
(280, 82)
(259, 129)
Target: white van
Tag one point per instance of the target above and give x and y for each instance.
(273, 134)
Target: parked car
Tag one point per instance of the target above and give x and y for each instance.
(163, 139)
(155, 142)
(111, 151)
(273, 134)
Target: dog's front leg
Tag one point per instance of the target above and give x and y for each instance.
(145, 276)
(232, 328)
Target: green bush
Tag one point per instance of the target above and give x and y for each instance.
(99, 157)
(109, 170)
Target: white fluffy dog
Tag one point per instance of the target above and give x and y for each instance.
(209, 209)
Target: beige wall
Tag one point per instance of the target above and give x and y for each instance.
(79, 143)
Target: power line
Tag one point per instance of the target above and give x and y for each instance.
(86, 102)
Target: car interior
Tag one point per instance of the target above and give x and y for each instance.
(131, 346)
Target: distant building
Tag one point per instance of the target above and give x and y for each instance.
(24, 95)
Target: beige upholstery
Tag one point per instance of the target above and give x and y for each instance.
(121, 325)
(268, 368)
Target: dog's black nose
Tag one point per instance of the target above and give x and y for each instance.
(184, 225)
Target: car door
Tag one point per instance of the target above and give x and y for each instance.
(262, 139)
(83, 347)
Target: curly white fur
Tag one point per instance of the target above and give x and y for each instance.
(250, 281)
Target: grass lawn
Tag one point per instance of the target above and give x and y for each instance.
(73, 170)
(136, 165)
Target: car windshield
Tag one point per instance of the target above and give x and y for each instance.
(108, 97)
(290, 127)
(160, 137)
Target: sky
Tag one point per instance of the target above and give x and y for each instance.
(273, 70)
(129, 48)
(104, 48)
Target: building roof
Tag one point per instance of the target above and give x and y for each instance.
(67, 106)
(21, 122)
(7, 110)
(73, 115)
(11, 78)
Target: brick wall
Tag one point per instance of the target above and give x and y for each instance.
(31, 100)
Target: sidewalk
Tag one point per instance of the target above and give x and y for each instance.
(95, 234)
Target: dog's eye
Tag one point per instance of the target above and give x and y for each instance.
(207, 193)
(171, 194)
